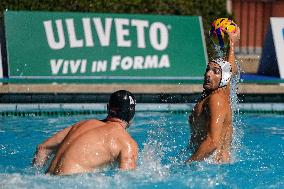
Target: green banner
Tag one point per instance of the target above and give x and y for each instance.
(104, 46)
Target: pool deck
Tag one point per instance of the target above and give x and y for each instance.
(135, 88)
(90, 98)
(145, 93)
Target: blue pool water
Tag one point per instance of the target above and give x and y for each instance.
(258, 155)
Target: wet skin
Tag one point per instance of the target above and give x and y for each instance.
(211, 120)
(88, 145)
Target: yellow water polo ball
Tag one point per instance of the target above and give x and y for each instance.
(221, 24)
(218, 27)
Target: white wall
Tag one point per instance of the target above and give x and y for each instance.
(1, 68)
(277, 25)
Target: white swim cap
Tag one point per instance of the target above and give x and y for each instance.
(226, 71)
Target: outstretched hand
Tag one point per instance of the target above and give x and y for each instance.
(234, 36)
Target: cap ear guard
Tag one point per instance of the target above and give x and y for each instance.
(226, 71)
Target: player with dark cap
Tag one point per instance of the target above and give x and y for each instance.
(122, 105)
(91, 144)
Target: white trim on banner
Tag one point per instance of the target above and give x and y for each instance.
(203, 39)
(277, 25)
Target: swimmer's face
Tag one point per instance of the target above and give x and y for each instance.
(212, 76)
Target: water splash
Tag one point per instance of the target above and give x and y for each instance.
(153, 150)
(237, 121)
(219, 51)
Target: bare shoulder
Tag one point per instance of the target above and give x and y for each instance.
(121, 135)
(131, 147)
(219, 101)
(127, 141)
(91, 122)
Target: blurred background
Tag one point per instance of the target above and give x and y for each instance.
(252, 16)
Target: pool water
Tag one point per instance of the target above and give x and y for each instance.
(258, 160)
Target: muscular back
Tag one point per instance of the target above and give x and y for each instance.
(89, 145)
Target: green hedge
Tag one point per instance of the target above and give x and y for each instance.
(208, 9)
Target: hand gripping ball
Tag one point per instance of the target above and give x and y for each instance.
(217, 30)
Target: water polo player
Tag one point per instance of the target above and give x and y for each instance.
(91, 144)
(211, 118)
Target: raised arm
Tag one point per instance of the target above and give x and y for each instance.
(50, 145)
(212, 140)
(233, 37)
(128, 155)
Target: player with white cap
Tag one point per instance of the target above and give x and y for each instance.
(211, 118)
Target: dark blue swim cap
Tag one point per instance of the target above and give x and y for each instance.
(122, 105)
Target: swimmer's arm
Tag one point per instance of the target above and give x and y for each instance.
(233, 37)
(47, 147)
(206, 148)
(212, 140)
(128, 156)
(53, 142)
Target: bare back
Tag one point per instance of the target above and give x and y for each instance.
(90, 144)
